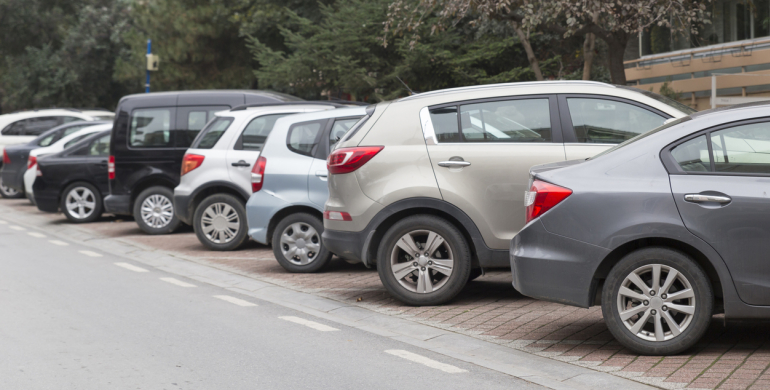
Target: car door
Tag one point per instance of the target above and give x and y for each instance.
(594, 123)
(318, 175)
(481, 154)
(242, 155)
(98, 152)
(720, 180)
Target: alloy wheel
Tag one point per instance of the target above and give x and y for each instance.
(157, 211)
(220, 223)
(656, 302)
(300, 243)
(80, 202)
(7, 191)
(422, 261)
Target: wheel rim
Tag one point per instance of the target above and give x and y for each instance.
(157, 211)
(7, 191)
(422, 261)
(656, 302)
(220, 223)
(300, 243)
(80, 202)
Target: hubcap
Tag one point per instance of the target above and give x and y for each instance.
(300, 243)
(80, 202)
(656, 302)
(8, 191)
(422, 261)
(220, 223)
(157, 211)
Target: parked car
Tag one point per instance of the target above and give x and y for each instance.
(218, 171)
(56, 147)
(15, 156)
(286, 209)
(151, 133)
(432, 185)
(75, 179)
(663, 230)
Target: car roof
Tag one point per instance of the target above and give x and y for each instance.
(267, 109)
(474, 88)
(277, 96)
(336, 113)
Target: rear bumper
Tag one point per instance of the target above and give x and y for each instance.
(47, 201)
(552, 267)
(260, 210)
(118, 204)
(13, 178)
(182, 208)
(347, 245)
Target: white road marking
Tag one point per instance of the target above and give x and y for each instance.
(423, 360)
(177, 282)
(3, 222)
(234, 300)
(36, 234)
(14, 227)
(90, 253)
(131, 267)
(309, 324)
(57, 242)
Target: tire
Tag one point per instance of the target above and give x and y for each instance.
(647, 338)
(220, 222)
(9, 193)
(158, 207)
(306, 227)
(81, 202)
(409, 287)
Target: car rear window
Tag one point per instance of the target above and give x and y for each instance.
(211, 133)
(256, 132)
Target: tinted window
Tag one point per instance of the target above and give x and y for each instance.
(608, 121)
(525, 120)
(445, 124)
(33, 126)
(256, 132)
(150, 128)
(742, 149)
(196, 120)
(340, 127)
(693, 155)
(100, 146)
(303, 137)
(210, 134)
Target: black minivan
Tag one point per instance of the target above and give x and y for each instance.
(149, 138)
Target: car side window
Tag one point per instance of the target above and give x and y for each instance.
(521, 120)
(72, 129)
(37, 126)
(339, 128)
(693, 155)
(150, 128)
(49, 139)
(256, 132)
(303, 137)
(209, 136)
(75, 140)
(742, 149)
(445, 124)
(100, 146)
(607, 121)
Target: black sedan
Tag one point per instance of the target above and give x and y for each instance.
(663, 230)
(75, 179)
(15, 156)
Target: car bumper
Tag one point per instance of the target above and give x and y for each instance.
(552, 267)
(347, 245)
(182, 208)
(118, 204)
(13, 179)
(260, 209)
(45, 201)
(30, 175)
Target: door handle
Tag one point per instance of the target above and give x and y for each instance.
(698, 198)
(454, 164)
(241, 164)
(323, 174)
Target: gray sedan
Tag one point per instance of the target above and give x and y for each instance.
(663, 230)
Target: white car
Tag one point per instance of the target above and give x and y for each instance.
(217, 171)
(21, 127)
(31, 173)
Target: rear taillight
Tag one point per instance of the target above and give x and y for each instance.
(337, 216)
(111, 168)
(6, 159)
(347, 160)
(258, 174)
(190, 162)
(31, 161)
(542, 197)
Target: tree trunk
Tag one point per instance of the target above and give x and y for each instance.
(588, 55)
(533, 63)
(616, 45)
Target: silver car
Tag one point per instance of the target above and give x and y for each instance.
(431, 187)
(286, 210)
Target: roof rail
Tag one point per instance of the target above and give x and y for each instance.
(501, 85)
(304, 102)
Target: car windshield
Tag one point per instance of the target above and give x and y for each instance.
(642, 136)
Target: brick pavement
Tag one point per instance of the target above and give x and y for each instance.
(734, 357)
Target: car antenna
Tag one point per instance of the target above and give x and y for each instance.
(406, 86)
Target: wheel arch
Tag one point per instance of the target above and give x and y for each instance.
(147, 182)
(213, 188)
(286, 211)
(72, 181)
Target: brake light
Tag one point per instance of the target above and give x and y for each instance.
(258, 174)
(190, 162)
(347, 160)
(111, 168)
(337, 216)
(542, 197)
(6, 159)
(31, 161)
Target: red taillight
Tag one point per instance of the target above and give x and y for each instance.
(6, 159)
(542, 197)
(31, 161)
(190, 162)
(258, 174)
(337, 216)
(111, 168)
(347, 160)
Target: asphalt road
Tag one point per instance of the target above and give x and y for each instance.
(73, 318)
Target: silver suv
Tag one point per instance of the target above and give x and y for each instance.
(431, 188)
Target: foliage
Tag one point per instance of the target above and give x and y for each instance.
(669, 92)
